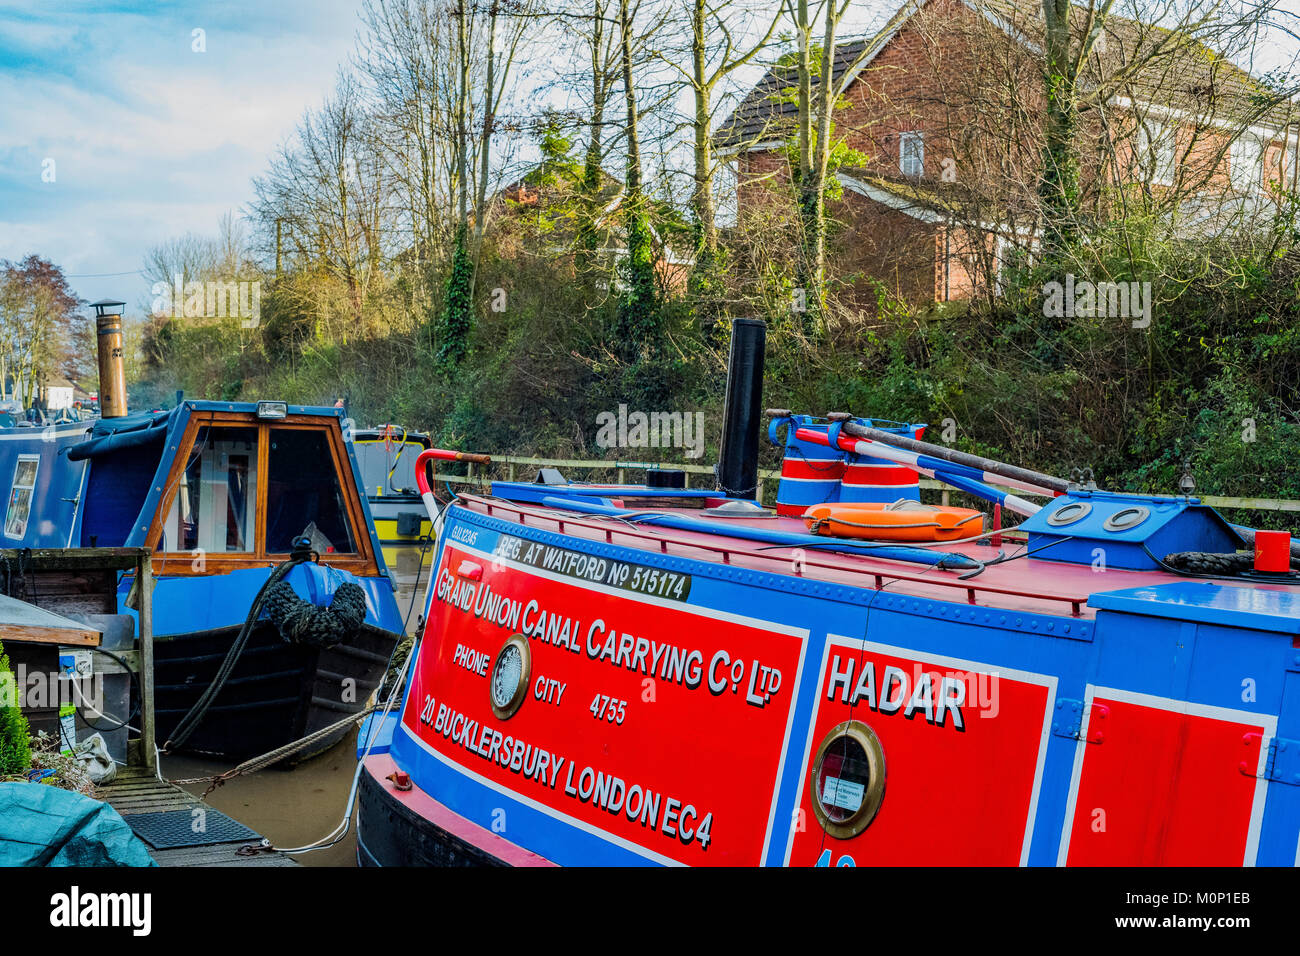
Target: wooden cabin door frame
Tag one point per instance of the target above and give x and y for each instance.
(189, 563)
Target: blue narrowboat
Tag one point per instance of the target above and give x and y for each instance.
(274, 612)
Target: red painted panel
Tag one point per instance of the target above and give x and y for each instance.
(1163, 788)
(952, 796)
(879, 474)
(645, 722)
(812, 469)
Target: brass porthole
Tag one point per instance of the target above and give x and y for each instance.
(848, 779)
(508, 679)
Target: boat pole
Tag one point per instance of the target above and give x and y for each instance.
(996, 468)
(1248, 535)
(961, 482)
(911, 459)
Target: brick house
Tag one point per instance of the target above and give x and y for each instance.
(540, 220)
(946, 104)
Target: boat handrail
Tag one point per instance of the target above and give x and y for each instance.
(1076, 602)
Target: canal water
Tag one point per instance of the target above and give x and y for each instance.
(289, 807)
(301, 804)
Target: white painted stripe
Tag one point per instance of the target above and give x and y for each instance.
(863, 484)
(537, 805)
(39, 433)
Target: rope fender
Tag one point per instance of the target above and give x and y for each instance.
(1206, 562)
(301, 622)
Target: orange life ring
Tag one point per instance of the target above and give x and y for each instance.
(901, 521)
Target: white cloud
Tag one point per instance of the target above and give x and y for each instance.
(150, 139)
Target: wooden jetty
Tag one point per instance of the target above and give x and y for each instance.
(84, 581)
(136, 790)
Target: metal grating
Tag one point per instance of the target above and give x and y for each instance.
(198, 826)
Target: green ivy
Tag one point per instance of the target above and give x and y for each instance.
(458, 305)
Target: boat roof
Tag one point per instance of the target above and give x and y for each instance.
(379, 432)
(1021, 585)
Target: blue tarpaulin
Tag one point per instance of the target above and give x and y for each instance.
(42, 825)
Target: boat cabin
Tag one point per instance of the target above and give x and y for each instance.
(210, 487)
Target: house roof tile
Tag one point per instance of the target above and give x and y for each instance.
(1186, 76)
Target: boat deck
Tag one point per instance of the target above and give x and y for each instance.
(1026, 584)
(136, 790)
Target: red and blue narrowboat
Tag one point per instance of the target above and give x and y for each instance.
(619, 675)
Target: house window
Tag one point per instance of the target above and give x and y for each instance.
(1246, 164)
(20, 497)
(724, 195)
(1155, 152)
(911, 154)
(1010, 258)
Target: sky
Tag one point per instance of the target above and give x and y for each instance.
(117, 134)
(121, 128)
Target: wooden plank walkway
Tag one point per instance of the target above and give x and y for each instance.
(137, 790)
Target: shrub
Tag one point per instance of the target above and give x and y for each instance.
(15, 736)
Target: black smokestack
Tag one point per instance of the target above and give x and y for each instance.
(738, 460)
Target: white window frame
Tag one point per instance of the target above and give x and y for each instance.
(911, 148)
(1157, 144)
(1246, 164)
(1008, 252)
(726, 198)
(14, 526)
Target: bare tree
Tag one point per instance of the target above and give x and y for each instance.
(327, 190)
(483, 53)
(716, 31)
(821, 78)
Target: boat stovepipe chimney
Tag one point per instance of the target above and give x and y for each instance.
(112, 371)
(737, 470)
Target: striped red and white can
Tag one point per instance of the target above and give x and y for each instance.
(810, 472)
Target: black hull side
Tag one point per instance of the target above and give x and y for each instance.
(277, 693)
(391, 834)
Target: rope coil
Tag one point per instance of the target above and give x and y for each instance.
(301, 622)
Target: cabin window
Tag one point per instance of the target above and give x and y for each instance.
(911, 154)
(215, 507)
(387, 465)
(20, 496)
(303, 496)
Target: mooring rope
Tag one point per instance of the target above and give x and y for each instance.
(190, 722)
(274, 756)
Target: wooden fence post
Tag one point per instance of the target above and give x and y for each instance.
(148, 737)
